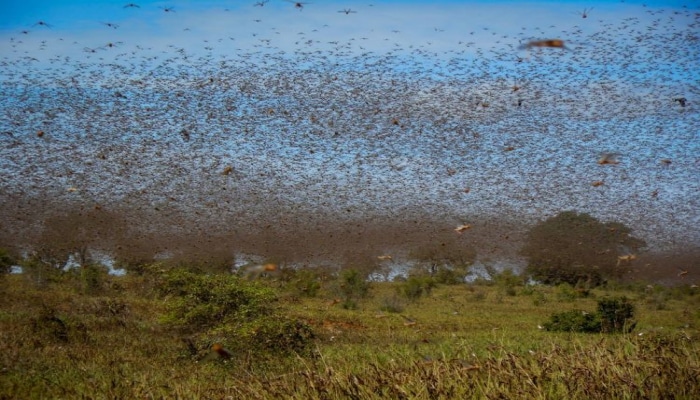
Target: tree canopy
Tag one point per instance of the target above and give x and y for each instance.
(447, 259)
(577, 248)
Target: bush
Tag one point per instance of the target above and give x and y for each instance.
(304, 282)
(574, 321)
(202, 301)
(416, 286)
(566, 293)
(40, 272)
(538, 298)
(353, 286)
(92, 278)
(281, 336)
(507, 280)
(614, 315)
(239, 310)
(449, 275)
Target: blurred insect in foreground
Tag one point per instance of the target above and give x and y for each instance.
(608, 158)
(515, 86)
(682, 273)
(557, 43)
(462, 228)
(221, 351)
(298, 4)
(255, 271)
(409, 321)
(585, 12)
(43, 23)
(626, 259)
(112, 45)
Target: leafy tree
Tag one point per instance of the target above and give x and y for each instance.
(577, 248)
(134, 252)
(447, 260)
(41, 268)
(74, 233)
(365, 262)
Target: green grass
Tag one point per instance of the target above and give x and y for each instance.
(467, 342)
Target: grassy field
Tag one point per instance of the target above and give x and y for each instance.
(61, 340)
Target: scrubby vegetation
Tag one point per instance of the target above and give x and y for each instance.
(614, 315)
(152, 334)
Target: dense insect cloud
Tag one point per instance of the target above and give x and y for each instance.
(214, 132)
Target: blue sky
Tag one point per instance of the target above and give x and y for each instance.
(397, 108)
(440, 23)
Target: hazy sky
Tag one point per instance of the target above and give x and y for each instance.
(231, 26)
(357, 108)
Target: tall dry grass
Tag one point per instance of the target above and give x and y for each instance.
(479, 341)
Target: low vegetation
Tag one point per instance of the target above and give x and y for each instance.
(153, 335)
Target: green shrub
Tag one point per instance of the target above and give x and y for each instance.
(305, 282)
(566, 292)
(614, 315)
(92, 278)
(353, 286)
(416, 286)
(574, 321)
(507, 280)
(449, 275)
(40, 272)
(201, 301)
(538, 298)
(281, 336)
